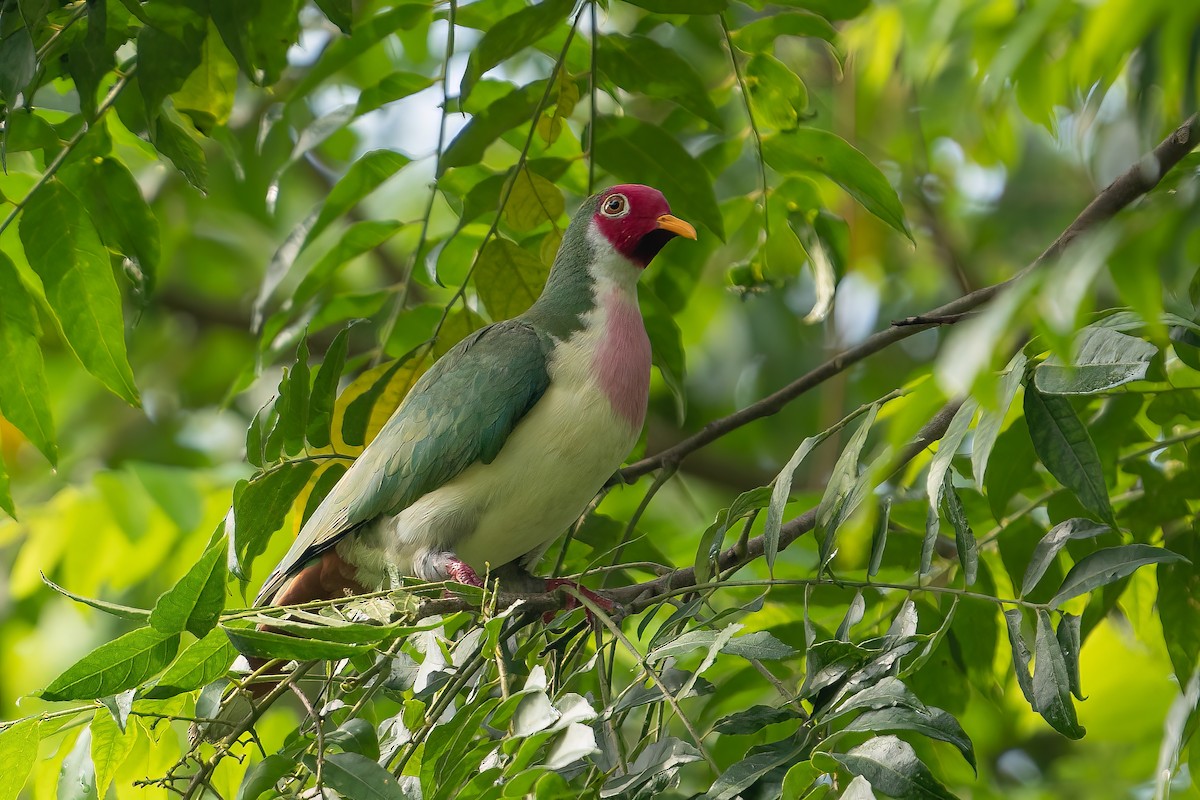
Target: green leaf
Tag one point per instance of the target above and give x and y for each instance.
(110, 747)
(367, 33)
(742, 774)
(1020, 653)
(202, 662)
(637, 151)
(173, 43)
(115, 666)
(513, 109)
(666, 347)
(18, 751)
(813, 150)
(359, 777)
(753, 720)
(365, 175)
(65, 251)
(1102, 359)
(124, 612)
(264, 775)
(196, 602)
(682, 6)
(324, 390)
(780, 492)
(1069, 641)
(356, 736)
(760, 645)
(361, 237)
(1051, 685)
(777, 95)
(759, 35)
(89, 60)
(1054, 541)
(510, 35)
(508, 278)
(1178, 599)
(389, 89)
(879, 537)
(964, 538)
(638, 64)
(259, 508)
(120, 213)
(992, 419)
(1063, 444)
(1108, 565)
(266, 644)
(178, 143)
(339, 12)
(889, 692)
(292, 405)
(931, 722)
(206, 97)
(24, 395)
(17, 64)
(843, 491)
(532, 201)
(892, 767)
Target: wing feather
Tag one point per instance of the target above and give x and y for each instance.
(461, 411)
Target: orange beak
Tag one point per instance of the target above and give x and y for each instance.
(675, 225)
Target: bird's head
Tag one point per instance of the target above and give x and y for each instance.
(637, 221)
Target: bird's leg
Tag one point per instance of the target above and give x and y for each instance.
(461, 572)
(444, 565)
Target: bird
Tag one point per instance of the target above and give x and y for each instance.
(505, 440)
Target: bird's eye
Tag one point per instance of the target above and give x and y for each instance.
(615, 206)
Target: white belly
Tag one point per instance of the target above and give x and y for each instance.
(552, 465)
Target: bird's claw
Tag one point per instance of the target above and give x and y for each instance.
(460, 572)
(573, 602)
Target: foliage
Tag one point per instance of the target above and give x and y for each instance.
(203, 200)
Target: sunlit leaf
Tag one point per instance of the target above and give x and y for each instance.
(929, 721)
(18, 751)
(195, 603)
(115, 666)
(110, 747)
(843, 491)
(200, 663)
(390, 88)
(259, 507)
(991, 419)
(1102, 359)
(207, 94)
(1107, 565)
(64, 249)
(892, 767)
(813, 150)
(508, 278)
(510, 35)
(641, 65)
(777, 95)
(24, 395)
(1020, 652)
(532, 200)
(1052, 543)
(759, 35)
(365, 175)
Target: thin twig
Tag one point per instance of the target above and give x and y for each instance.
(741, 82)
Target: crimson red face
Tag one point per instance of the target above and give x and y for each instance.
(638, 222)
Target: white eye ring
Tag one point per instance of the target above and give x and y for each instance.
(615, 205)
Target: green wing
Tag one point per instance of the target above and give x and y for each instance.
(461, 411)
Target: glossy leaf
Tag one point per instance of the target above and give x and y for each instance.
(24, 395)
(510, 35)
(1051, 684)
(813, 150)
(64, 249)
(641, 65)
(18, 751)
(115, 666)
(929, 721)
(195, 603)
(1102, 359)
(643, 153)
(1108, 565)
(1063, 444)
(259, 508)
(964, 538)
(1052, 543)
(753, 720)
(359, 777)
(263, 776)
(1021, 654)
(202, 662)
(1069, 641)
(892, 767)
(265, 644)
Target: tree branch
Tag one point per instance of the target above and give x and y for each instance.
(1132, 184)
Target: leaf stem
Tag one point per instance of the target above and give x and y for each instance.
(741, 81)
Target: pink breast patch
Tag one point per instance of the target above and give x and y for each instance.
(622, 361)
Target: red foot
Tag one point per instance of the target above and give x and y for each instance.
(461, 572)
(572, 602)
